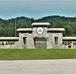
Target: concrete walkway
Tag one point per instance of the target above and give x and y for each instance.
(38, 67)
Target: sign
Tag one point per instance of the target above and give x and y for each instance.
(40, 30)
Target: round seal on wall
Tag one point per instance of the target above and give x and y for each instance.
(40, 30)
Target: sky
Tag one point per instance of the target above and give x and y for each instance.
(37, 8)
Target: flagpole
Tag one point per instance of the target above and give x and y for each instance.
(15, 27)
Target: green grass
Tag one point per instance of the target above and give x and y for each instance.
(31, 54)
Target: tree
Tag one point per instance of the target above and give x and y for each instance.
(32, 20)
(59, 24)
(68, 30)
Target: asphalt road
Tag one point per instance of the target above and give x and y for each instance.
(38, 67)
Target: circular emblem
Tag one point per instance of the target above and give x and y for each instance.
(40, 30)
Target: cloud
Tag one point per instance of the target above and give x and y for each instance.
(34, 5)
(37, 8)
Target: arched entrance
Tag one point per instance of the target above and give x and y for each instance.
(40, 43)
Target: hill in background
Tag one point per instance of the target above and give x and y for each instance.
(7, 27)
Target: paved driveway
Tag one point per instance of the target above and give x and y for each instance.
(38, 67)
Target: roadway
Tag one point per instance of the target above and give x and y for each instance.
(67, 66)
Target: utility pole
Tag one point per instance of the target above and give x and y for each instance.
(15, 27)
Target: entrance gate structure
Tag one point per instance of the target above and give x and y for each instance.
(40, 36)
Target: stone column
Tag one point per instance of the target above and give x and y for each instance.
(20, 41)
(30, 42)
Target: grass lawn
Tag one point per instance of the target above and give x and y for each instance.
(26, 54)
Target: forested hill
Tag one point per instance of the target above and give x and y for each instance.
(7, 27)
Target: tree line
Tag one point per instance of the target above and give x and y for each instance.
(7, 27)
